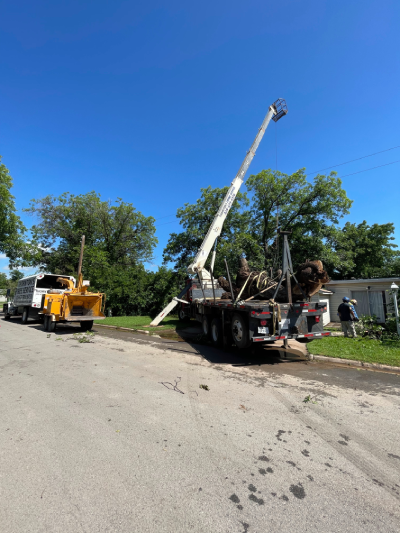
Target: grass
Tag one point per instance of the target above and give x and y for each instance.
(359, 349)
(143, 322)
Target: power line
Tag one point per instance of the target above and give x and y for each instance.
(309, 173)
(166, 216)
(372, 168)
(352, 160)
(165, 223)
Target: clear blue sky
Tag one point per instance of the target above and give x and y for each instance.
(149, 101)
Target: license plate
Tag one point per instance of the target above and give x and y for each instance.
(263, 330)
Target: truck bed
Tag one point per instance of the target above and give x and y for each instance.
(269, 322)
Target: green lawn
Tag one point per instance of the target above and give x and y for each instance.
(360, 349)
(143, 322)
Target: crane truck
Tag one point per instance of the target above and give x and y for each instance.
(251, 321)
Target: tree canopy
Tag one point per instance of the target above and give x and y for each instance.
(311, 210)
(365, 251)
(195, 219)
(11, 227)
(3, 281)
(116, 233)
(307, 209)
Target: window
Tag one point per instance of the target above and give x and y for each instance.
(370, 303)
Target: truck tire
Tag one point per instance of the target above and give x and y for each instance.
(216, 332)
(240, 331)
(51, 325)
(87, 325)
(45, 322)
(206, 327)
(25, 314)
(182, 315)
(7, 317)
(304, 341)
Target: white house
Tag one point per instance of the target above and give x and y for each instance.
(324, 295)
(372, 295)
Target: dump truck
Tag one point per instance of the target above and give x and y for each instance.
(30, 293)
(246, 322)
(73, 304)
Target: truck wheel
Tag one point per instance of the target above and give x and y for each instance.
(205, 326)
(240, 331)
(51, 325)
(87, 325)
(25, 314)
(7, 317)
(182, 315)
(216, 332)
(45, 322)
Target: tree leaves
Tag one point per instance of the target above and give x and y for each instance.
(311, 210)
(116, 233)
(11, 227)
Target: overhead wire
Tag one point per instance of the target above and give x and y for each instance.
(352, 160)
(315, 172)
(372, 168)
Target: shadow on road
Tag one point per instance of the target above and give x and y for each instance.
(190, 341)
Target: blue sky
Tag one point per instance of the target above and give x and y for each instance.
(149, 101)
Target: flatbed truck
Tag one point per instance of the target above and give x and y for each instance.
(252, 321)
(257, 321)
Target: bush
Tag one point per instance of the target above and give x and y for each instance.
(369, 327)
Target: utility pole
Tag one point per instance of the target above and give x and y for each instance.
(395, 290)
(81, 256)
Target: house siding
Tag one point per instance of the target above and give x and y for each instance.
(341, 289)
(326, 299)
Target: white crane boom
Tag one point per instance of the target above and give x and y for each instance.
(277, 110)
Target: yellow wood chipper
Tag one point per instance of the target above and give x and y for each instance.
(73, 304)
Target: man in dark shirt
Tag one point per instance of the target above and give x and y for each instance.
(346, 316)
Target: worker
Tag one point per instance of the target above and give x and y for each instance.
(353, 307)
(346, 316)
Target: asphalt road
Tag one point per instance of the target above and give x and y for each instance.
(116, 435)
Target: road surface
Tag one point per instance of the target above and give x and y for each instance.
(122, 435)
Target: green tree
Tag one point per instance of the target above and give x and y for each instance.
(365, 251)
(11, 228)
(234, 241)
(309, 209)
(16, 275)
(3, 281)
(162, 285)
(115, 233)
(119, 239)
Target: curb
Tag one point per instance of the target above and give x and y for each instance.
(352, 362)
(125, 329)
(130, 329)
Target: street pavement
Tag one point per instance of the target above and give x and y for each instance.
(121, 435)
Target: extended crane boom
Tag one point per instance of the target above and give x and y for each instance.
(277, 110)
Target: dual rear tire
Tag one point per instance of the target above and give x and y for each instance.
(212, 330)
(216, 332)
(239, 333)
